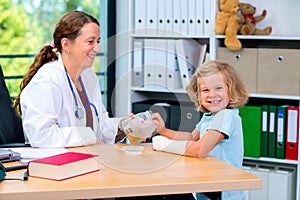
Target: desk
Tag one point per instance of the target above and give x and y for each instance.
(122, 174)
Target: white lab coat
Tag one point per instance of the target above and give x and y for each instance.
(48, 108)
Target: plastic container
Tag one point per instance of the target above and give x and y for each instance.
(138, 128)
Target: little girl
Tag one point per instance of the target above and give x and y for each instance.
(216, 90)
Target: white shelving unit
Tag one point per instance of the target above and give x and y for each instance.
(280, 16)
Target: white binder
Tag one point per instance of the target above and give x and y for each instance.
(140, 16)
(173, 75)
(160, 69)
(199, 17)
(176, 17)
(202, 54)
(161, 17)
(149, 63)
(184, 17)
(192, 18)
(263, 192)
(207, 17)
(169, 17)
(137, 68)
(151, 16)
(282, 185)
(187, 51)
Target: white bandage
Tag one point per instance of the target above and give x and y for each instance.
(161, 143)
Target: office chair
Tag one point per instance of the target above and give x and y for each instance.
(11, 130)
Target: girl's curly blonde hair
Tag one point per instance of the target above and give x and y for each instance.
(237, 92)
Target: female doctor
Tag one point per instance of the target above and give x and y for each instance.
(60, 99)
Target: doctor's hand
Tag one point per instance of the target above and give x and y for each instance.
(120, 134)
(129, 116)
(99, 142)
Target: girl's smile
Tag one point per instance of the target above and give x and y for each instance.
(213, 92)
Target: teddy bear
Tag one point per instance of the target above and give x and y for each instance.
(228, 22)
(249, 26)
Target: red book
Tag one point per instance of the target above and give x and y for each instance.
(63, 166)
(292, 131)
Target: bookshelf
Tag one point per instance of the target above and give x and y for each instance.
(284, 36)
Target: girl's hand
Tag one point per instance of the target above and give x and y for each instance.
(158, 121)
(130, 115)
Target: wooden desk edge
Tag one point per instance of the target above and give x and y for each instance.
(255, 183)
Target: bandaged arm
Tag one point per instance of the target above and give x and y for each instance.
(161, 143)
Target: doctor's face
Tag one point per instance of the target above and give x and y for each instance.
(85, 47)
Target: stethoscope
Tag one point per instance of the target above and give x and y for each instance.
(79, 113)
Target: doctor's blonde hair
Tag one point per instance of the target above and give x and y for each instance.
(69, 26)
(237, 92)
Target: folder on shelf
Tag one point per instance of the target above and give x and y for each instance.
(292, 133)
(264, 130)
(161, 30)
(191, 18)
(140, 16)
(282, 184)
(173, 74)
(169, 17)
(199, 17)
(202, 54)
(152, 17)
(137, 68)
(184, 18)
(176, 16)
(207, 17)
(272, 131)
(149, 63)
(262, 193)
(281, 132)
(160, 68)
(251, 123)
(187, 51)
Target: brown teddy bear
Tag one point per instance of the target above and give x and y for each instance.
(228, 23)
(249, 26)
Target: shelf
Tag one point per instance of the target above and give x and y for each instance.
(178, 36)
(144, 95)
(263, 37)
(272, 96)
(178, 91)
(272, 160)
(252, 95)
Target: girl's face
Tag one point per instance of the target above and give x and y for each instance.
(213, 92)
(86, 46)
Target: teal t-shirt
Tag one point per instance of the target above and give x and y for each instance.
(230, 149)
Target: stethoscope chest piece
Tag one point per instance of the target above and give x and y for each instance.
(79, 114)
